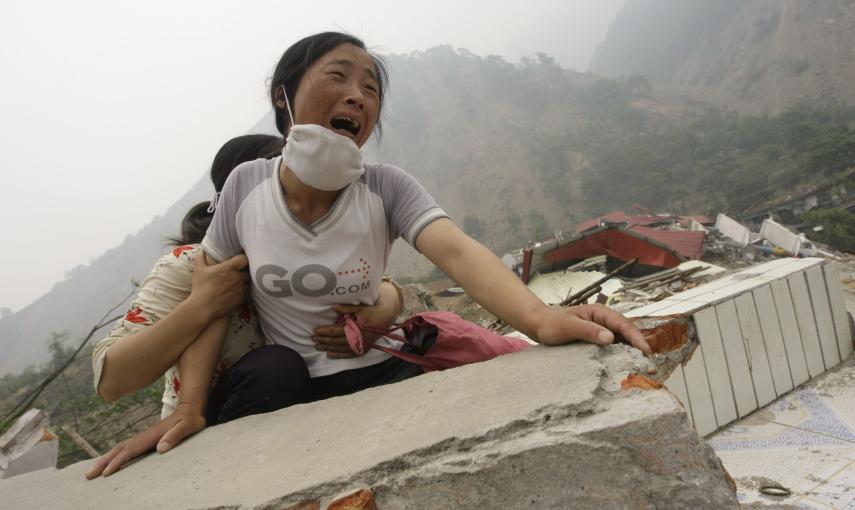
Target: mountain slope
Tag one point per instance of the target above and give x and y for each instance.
(78, 302)
(759, 56)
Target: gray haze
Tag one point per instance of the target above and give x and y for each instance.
(111, 110)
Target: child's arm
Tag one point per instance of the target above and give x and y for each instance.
(216, 290)
(195, 367)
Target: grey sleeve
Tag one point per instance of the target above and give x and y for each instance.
(222, 240)
(409, 207)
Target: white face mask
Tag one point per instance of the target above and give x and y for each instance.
(320, 157)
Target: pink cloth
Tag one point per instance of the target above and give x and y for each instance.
(458, 342)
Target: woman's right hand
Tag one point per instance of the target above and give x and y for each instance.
(219, 288)
(164, 435)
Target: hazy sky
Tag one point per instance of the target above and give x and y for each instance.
(111, 110)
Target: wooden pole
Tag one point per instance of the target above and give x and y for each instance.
(79, 441)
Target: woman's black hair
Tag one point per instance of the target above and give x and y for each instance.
(236, 151)
(299, 58)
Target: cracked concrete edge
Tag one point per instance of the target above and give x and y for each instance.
(594, 419)
(204, 449)
(440, 475)
(674, 339)
(610, 365)
(383, 475)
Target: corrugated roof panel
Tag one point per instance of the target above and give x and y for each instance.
(553, 288)
(687, 243)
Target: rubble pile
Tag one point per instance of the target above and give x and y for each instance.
(627, 261)
(666, 255)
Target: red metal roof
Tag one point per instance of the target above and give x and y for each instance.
(686, 243)
(612, 217)
(621, 217)
(619, 243)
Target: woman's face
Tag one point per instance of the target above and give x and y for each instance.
(340, 92)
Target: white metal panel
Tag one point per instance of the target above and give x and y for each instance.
(780, 236)
(709, 269)
(774, 339)
(651, 309)
(793, 266)
(790, 331)
(764, 388)
(680, 307)
(706, 324)
(676, 384)
(806, 323)
(698, 388)
(838, 309)
(745, 280)
(822, 312)
(732, 229)
(737, 359)
(725, 288)
(752, 278)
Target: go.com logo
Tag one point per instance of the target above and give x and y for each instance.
(311, 280)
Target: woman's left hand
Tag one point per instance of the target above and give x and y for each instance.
(381, 314)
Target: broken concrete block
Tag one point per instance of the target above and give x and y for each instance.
(548, 427)
(28, 445)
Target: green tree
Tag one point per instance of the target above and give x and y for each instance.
(838, 228)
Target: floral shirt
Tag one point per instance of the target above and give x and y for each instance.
(167, 285)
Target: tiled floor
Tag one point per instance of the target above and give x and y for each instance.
(805, 441)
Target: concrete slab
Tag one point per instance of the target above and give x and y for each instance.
(545, 428)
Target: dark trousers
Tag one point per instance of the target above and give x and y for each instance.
(273, 377)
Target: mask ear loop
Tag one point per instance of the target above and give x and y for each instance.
(288, 105)
(212, 206)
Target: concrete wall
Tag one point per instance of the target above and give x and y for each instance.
(543, 428)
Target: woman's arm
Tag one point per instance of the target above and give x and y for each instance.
(196, 367)
(138, 359)
(498, 290)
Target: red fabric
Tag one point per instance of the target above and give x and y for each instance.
(181, 249)
(686, 243)
(618, 243)
(458, 342)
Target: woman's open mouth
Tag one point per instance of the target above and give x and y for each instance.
(346, 126)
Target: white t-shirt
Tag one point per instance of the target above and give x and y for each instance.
(299, 271)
